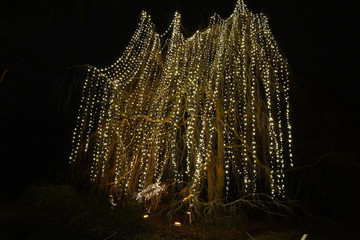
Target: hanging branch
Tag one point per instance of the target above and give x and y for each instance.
(210, 112)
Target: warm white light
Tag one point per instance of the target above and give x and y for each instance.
(151, 117)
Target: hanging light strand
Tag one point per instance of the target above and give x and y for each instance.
(162, 109)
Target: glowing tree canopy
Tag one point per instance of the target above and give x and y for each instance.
(209, 112)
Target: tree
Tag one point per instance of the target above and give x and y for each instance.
(209, 113)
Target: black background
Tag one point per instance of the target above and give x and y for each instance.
(41, 42)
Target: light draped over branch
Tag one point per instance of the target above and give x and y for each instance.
(210, 112)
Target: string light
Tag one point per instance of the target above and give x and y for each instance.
(152, 115)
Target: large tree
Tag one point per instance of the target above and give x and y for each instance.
(209, 112)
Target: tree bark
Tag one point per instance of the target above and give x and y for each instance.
(210, 168)
(219, 164)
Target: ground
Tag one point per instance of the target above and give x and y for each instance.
(59, 212)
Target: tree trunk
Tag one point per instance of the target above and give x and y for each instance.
(219, 164)
(210, 168)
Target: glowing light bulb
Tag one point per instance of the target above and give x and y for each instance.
(151, 116)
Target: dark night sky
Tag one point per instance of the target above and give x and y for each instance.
(40, 40)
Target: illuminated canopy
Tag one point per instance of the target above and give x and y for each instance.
(209, 112)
